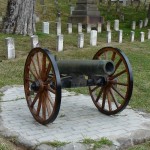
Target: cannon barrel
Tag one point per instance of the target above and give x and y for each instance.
(86, 67)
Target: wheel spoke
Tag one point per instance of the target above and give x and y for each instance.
(123, 84)
(39, 63)
(118, 92)
(109, 101)
(51, 79)
(106, 55)
(113, 56)
(39, 105)
(33, 73)
(95, 88)
(35, 68)
(50, 99)
(48, 69)
(118, 83)
(48, 104)
(104, 99)
(35, 99)
(43, 107)
(118, 64)
(99, 94)
(118, 74)
(51, 90)
(44, 67)
(114, 99)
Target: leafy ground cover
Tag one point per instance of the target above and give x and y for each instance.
(97, 143)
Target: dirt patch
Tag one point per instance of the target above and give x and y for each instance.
(6, 144)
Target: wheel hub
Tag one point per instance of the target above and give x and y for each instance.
(37, 86)
(113, 81)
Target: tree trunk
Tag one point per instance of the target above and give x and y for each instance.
(19, 18)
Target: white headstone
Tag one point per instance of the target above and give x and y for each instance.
(141, 24)
(69, 27)
(79, 27)
(148, 36)
(145, 22)
(132, 36)
(99, 27)
(60, 41)
(142, 36)
(116, 25)
(108, 26)
(58, 19)
(34, 41)
(72, 8)
(88, 28)
(10, 53)
(93, 38)
(80, 40)
(58, 28)
(46, 27)
(108, 36)
(120, 34)
(133, 25)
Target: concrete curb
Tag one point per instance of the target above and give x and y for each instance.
(18, 140)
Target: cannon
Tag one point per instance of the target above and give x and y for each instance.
(108, 76)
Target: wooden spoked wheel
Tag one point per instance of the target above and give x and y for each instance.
(114, 96)
(42, 85)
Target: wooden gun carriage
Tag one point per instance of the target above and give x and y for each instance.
(108, 77)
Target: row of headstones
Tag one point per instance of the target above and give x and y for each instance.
(46, 26)
(141, 24)
(60, 40)
(133, 26)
